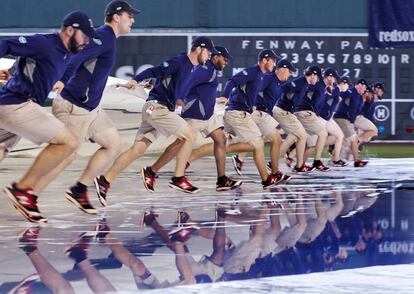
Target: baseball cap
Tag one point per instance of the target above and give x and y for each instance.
(369, 89)
(345, 80)
(331, 72)
(79, 20)
(118, 6)
(268, 53)
(284, 63)
(314, 69)
(204, 42)
(220, 50)
(379, 86)
(362, 81)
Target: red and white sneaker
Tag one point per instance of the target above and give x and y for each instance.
(182, 184)
(303, 169)
(237, 164)
(317, 164)
(80, 200)
(288, 160)
(360, 163)
(148, 177)
(228, 184)
(102, 186)
(272, 180)
(25, 201)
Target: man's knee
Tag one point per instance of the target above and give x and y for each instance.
(257, 144)
(301, 135)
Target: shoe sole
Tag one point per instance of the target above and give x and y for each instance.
(287, 178)
(235, 168)
(143, 181)
(274, 184)
(17, 204)
(34, 219)
(223, 189)
(101, 199)
(71, 199)
(182, 190)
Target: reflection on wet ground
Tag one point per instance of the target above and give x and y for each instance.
(318, 222)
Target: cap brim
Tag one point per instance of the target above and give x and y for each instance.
(91, 33)
(213, 50)
(133, 11)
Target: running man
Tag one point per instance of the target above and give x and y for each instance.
(200, 92)
(42, 61)
(158, 115)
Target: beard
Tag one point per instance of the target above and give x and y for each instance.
(74, 46)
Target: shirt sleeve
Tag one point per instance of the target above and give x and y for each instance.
(24, 46)
(160, 71)
(241, 78)
(200, 75)
(89, 52)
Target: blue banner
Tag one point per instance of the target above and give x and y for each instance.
(391, 23)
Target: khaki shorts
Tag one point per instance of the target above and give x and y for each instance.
(157, 118)
(8, 140)
(333, 130)
(83, 123)
(266, 123)
(288, 122)
(242, 258)
(346, 126)
(242, 125)
(31, 121)
(313, 229)
(205, 127)
(312, 123)
(364, 124)
(290, 235)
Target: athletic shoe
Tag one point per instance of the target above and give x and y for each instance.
(187, 165)
(339, 163)
(80, 200)
(148, 217)
(182, 234)
(269, 167)
(272, 180)
(288, 160)
(228, 184)
(78, 250)
(237, 164)
(102, 186)
(360, 163)
(286, 178)
(101, 230)
(182, 184)
(182, 218)
(303, 169)
(317, 164)
(25, 202)
(28, 239)
(26, 285)
(331, 149)
(148, 177)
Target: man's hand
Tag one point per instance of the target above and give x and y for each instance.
(222, 100)
(179, 102)
(131, 85)
(58, 87)
(4, 75)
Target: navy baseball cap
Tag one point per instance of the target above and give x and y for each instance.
(268, 53)
(362, 82)
(314, 69)
(118, 6)
(331, 72)
(204, 42)
(220, 50)
(284, 63)
(345, 80)
(369, 89)
(79, 20)
(379, 86)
